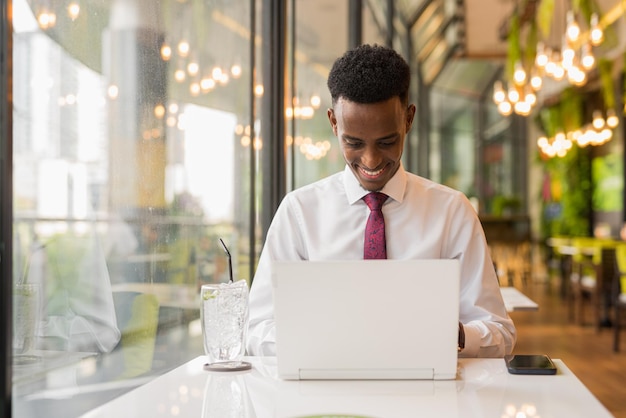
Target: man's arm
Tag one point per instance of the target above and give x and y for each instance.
(283, 242)
(488, 329)
(261, 330)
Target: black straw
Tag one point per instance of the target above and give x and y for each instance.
(230, 263)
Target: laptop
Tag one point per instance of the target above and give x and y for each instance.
(366, 319)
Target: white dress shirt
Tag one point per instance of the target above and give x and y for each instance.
(326, 220)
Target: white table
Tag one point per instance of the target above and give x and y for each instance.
(483, 388)
(514, 300)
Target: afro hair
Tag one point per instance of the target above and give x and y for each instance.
(369, 74)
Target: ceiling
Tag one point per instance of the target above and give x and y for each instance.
(470, 29)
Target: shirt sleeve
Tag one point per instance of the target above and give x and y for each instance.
(283, 242)
(489, 331)
(261, 328)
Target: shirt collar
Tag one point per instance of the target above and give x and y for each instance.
(394, 188)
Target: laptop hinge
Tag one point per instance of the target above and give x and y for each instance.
(365, 374)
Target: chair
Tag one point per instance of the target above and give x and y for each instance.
(138, 317)
(580, 255)
(593, 266)
(619, 292)
(560, 260)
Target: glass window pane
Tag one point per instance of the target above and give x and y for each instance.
(131, 158)
(454, 162)
(312, 145)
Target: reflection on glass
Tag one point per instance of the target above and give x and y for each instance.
(226, 395)
(25, 321)
(126, 173)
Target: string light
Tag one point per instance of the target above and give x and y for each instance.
(596, 133)
(572, 62)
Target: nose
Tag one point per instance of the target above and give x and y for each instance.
(371, 157)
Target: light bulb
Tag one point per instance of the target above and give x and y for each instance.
(236, 70)
(536, 81)
(513, 95)
(576, 76)
(166, 52)
(192, 68)
(541, 59)
(598, 121)
(567, 57)
(559, 73)
(611, 118)
(316, 101)
(183, 48)
(520, 74)
(73, 10)
(505, 108)
(587, 60)
(522, 108)
(216, 73)
(573, 30)
(596, 33)
(179, 75)
(542, 142)
(498, 92)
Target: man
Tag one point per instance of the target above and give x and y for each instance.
(326, 220)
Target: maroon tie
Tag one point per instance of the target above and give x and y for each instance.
(375, 246)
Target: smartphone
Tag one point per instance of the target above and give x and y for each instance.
(530, 364)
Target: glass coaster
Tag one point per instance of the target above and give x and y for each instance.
(228, 366)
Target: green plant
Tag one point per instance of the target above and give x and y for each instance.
(570, 184)
(505, 205)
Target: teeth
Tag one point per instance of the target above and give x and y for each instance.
(372, 173)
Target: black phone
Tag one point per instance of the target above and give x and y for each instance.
(530, 364)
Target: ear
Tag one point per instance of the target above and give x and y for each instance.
(332, 119)
(410, 114)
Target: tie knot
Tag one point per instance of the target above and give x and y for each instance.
(375, 200)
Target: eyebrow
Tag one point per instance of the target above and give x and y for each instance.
(354, 138)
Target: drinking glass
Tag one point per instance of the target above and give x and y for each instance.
(224, 316)
(25, 320)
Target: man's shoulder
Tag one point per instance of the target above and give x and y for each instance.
(424, 185)
(322, 186)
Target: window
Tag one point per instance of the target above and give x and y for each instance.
(132, 136)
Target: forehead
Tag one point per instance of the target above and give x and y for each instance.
(384, 114)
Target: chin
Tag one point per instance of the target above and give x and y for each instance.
(372, 187)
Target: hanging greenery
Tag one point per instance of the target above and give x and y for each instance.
(571, 109)
(624, 83)
(564, 116)
(549, 120)
(514, 50)
(605, 67)
(531, 45)
(545, 13)
(567, 205)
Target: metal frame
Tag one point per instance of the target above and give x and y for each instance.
(6, 203)
(273, 124)
(251, 117)
(355, 23)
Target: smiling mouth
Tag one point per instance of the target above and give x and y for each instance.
(371, 173)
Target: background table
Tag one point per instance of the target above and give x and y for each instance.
(514, 300)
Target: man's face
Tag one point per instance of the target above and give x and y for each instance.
(371, 137)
